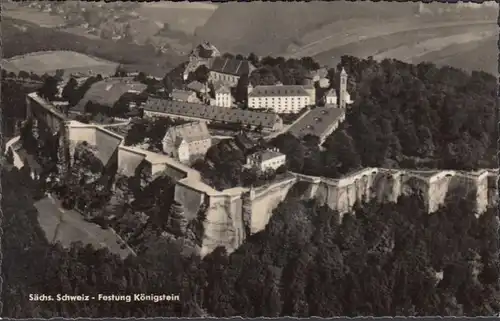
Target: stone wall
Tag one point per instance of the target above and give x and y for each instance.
(231, 215)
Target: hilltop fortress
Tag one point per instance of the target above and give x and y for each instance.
(233, 214)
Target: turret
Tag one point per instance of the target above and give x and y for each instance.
(249, 88)
(343, 89)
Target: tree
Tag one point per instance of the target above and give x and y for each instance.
(120, 71)
(9, 157)
(253, 59)
(168, 85)
(241, 91)
(69, 91)
(201, 74)
(49, 88)
(59, 74)
(24, 74)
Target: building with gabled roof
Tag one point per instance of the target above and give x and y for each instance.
(187, 142)
(282, 99)
(229, 70)
(176, 109)
(331, 98)
(266, 159)
(319, 122)
(184, 95)
(222, 96)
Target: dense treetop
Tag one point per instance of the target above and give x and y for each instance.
(392, 259)
(412, 116)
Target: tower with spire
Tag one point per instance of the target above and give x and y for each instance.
(343, 96)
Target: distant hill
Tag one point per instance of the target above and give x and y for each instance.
(330, 29)
(268, 27)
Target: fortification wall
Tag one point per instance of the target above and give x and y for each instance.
(106, 143)
(231, 214)
(223, 224)
(266, 200)
(128, 161)
(190, 198)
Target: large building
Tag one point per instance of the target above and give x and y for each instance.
(319, 122)
(228, 70)
(201, 55)
(269, 122)
(266, 159)
(222, 96)
(281, 99)
(184, 95)
(187, 142)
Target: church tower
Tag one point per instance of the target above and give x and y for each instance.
(343, 89)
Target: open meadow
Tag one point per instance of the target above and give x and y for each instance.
(50, 61)
(326, 31)
(35, 16)
(185, 17)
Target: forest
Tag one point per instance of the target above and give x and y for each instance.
(381, 260)
(404, 116)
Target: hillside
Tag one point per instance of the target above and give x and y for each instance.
(284, 23)
(323, 30)
(20, 38)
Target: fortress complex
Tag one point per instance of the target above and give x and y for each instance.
(233, 214)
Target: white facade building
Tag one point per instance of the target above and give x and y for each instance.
(266, 159)
(343, 99)
(223, 97)
(187, 142)
(281, 99)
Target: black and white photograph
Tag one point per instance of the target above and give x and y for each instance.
(249, 159)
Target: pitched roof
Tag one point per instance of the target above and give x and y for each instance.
(221, 88)
(196, 86)
(182, 95)
(331, 93)
(231, 66)
(215, 113)
(278, 91)
(205, 50)
(265, 155)
(189, 132)
(316, 122)
(244, 141)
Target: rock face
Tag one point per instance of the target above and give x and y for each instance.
(230, 219)
(227, 217)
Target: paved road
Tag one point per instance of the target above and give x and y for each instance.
(68, 226)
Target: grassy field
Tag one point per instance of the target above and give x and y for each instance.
(430, 44)
(20, 38)
(43, 19)
(326, 30)
(50, 61)
(108, 91)
(185, 17)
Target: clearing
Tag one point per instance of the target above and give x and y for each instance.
(185, 17)
(35, 16)
(50, 61)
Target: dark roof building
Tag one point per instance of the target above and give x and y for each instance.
(320, 122)
(244, 142)
(268, 121)
(190, 132)
(278, 91)
(231, 66)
